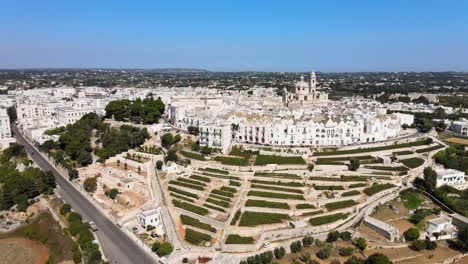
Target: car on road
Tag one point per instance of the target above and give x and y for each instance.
(93, 226)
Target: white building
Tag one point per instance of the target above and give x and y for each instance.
(69, 115)
(215, 136)
(460, 127)
(5, 130)
(151, 216)
(442, 226)
(451, 177)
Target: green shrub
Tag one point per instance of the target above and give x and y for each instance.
(411, 234)
(346, 251)
(65, 209)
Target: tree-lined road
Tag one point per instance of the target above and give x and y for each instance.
(117, 246)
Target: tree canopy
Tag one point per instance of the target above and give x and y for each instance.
(146, 111)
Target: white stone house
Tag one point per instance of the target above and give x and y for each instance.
(151, 215)
(441, 225)
(451, 177)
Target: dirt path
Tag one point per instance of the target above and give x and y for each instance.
(22, 251)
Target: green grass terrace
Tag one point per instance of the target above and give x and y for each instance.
(412, 162)
(365, 150)
(257, 218)
(326, 219)
(376, 188)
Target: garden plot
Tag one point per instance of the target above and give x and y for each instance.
(207, 193)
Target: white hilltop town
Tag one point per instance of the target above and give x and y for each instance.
(223, 175)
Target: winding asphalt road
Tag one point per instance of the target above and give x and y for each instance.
(117, 246)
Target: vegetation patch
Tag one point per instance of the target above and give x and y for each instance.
(364, 150)
(193, 155)
(258, 218)
(305, 206)
(187, 220)
(266, 187)
(195, 237)
(388, 168)
(312, 213)
(401, 153)
(228, 189)
(236, 239)
(272, 159)
(223, 193)
(350, 193)
(200, 178)
(321, 220)
(214, 207)
(376, 188)
(189, 194)
(341, 179)
(328, 187)
(214, 170)
(411, 198)
(190, 207)
(429, 149)
(289, 184)
(267, 204)
(186, 185)
(209, 174)
(232, 161)
(218, 202)
(412, 162)
(357, 185)
(276, 195)
(189, 181)
(224, 198)
(181, 197)
(340, 205)
(278, 175)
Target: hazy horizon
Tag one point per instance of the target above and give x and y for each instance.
(240, 36)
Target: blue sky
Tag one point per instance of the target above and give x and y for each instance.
(229, 35)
